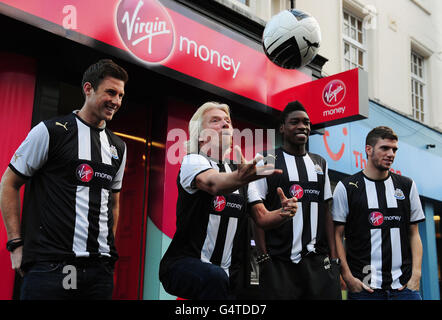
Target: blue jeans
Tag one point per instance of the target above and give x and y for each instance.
(190, 278)
(68, 281)
(378, 294)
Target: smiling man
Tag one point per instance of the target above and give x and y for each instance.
(75, 166)
(301, 261)
(378, 212)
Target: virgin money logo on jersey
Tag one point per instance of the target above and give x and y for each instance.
(334, 92)
(219, 203)
(146, 29)
(84, 172)
(376, 218)
(296, 191)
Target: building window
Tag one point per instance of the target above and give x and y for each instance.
(418, 86)
(354, 42)
(245, 2)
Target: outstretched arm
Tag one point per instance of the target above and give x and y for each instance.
(218, 183)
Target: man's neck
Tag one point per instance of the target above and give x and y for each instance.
(296, 150)
(90, 119)
(374, 173)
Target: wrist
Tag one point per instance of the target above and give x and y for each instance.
(13, 244)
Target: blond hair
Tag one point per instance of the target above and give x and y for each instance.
(196, 123)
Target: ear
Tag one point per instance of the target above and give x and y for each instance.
(281, 128)
(87, 88)
(368, 149)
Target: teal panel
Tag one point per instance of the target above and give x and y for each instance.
(156, 244)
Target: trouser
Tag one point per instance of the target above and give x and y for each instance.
(80, 279)
(381, 294)
(313, 278)
(190, 278)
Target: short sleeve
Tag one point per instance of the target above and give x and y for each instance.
(416, 212)
(118, 180)
(327, 187)
(191, 166)
(32, 154)
(257, 190)
(340, 203)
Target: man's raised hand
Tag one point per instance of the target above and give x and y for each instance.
(248, 171)
(289, 206)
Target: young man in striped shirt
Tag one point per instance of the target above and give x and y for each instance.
(378, 213)
(301, 261)
(65, 245)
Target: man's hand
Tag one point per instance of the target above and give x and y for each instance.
(413, 283)
(248, 171)
(288, 206)
(16, 258)
(356, 285)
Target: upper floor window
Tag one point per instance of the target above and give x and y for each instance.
(354, 42)
(245, 2)
(418, 86)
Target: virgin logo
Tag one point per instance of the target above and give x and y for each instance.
(333, 93)
(296, 191)
(376, 218)
(146, 29)
(84, 172)
(219, 203)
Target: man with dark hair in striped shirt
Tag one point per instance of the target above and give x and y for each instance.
(301, 261)
(65, 245)
(378, 213)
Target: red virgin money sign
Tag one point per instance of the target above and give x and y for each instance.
(332, 100)
(146, 30)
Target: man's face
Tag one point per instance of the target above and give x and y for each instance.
(296, 128)
(382, 154)
(217, 129)
(106, 100)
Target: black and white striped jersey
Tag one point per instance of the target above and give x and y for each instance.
(210, 228)
(305, 177)
(74, 168)
(377, 215)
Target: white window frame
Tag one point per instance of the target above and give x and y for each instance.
(355, 46)
(417, 74)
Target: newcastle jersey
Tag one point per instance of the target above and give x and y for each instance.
(210, 228)
(74, 169)
(306, 178)
(377, 215)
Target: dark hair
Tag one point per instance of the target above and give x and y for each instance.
(102, 69)
(381, 132)
(289, 108)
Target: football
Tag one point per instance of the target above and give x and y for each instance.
(291, 39)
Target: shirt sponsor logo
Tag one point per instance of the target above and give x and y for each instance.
(220, 202)
(84, 172)
(296, 191)
(376, 218)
